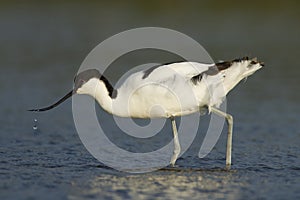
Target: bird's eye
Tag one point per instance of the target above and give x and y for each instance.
(80, 82)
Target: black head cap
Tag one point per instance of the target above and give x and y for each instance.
(84, 77)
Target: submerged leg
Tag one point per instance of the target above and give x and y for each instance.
(177, 148)
(229, 136)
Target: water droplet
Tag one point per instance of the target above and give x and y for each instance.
(35, 127)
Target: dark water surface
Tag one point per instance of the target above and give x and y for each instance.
(42, 47)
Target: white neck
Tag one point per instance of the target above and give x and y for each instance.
(116, 106)
(97, 89)
(101, 95)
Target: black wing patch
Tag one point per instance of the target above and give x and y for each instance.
(226, 64)
(211, 71)
(197, 78)
(223, 65)
(147, 72)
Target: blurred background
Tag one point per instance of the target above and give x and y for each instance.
(42, 45)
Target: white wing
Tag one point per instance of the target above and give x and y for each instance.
(189, 69)
(166, 73)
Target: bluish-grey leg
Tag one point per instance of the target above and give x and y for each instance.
(229, 119)
(177, 148)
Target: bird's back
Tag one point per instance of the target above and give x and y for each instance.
(164, 91)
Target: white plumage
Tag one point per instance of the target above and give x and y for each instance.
(167, 91)
(139, 97)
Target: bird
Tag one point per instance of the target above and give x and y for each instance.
(167, 91)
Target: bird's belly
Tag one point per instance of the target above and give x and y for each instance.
(159, 111)
(161, 104)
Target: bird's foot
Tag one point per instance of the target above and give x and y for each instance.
(173, 161)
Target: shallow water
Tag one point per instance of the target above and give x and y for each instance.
(42, 47)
